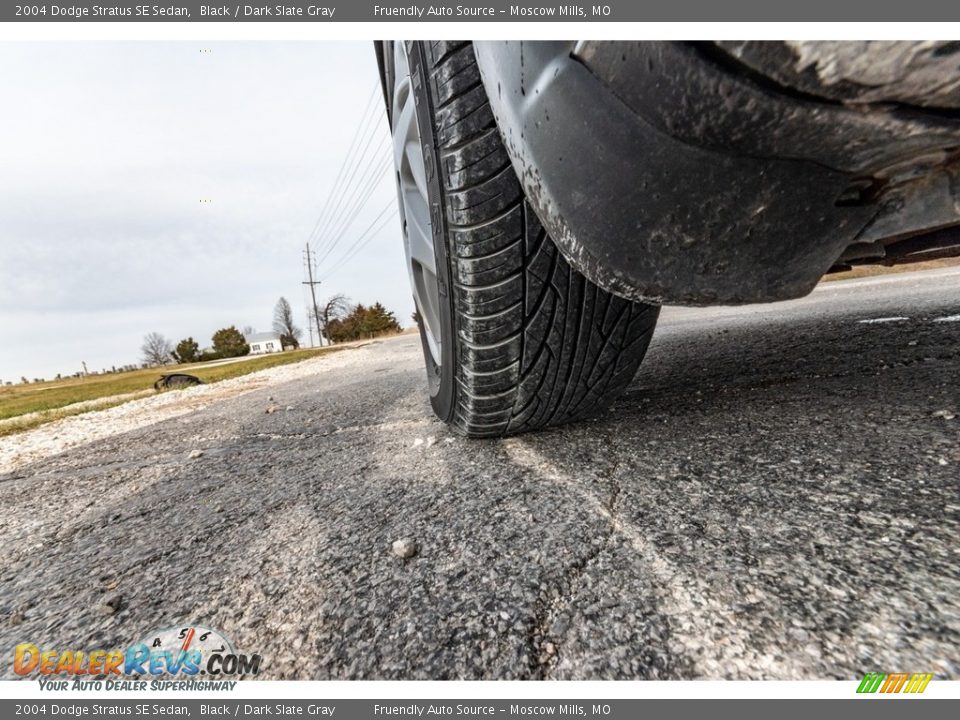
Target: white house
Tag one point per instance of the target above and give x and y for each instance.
(264, 342)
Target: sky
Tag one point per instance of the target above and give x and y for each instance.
(107, 151)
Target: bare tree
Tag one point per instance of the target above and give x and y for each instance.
(336, 307)
(283, 323)
(156, 349)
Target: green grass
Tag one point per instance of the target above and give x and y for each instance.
(54, 398)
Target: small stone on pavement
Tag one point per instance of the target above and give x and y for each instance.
(111, 605)
(404, 548)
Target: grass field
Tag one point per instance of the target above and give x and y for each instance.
(53, 399)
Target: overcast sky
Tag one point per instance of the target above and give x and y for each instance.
(106, 151)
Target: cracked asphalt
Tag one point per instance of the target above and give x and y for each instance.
(776, 496)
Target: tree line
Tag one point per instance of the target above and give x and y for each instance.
(339, 320)
(227, 342)
(342, 321)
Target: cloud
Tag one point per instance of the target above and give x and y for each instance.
(149, 186)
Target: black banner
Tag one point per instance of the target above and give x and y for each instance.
(479, 11)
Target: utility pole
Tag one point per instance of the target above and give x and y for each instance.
(313, 294)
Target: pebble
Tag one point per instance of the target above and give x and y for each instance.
(404, 548)
(194, 454)
(111, 605)
(945, 414)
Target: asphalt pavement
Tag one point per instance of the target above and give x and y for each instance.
(776, 496)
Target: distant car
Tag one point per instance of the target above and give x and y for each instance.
(169, 381)
(554, 194)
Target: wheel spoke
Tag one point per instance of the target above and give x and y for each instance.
(403, 122)
(419, 237)
(417, 166)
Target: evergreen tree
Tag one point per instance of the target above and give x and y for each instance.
(229, 342)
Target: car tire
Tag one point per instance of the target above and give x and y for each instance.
(523, 341)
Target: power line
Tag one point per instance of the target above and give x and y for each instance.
(343, 165)
(352, 191)
(360, 175)
(374, 181)
(366, 131)
(373, 174)
(363, 238)
(369, 167)
(346, 259)
(369, 233)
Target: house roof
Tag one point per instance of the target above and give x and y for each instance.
(262, 337)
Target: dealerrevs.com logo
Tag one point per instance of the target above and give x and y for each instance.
(173, 658)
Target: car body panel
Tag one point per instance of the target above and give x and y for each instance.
(665, 174)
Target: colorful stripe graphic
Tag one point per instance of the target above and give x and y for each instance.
(894, 682)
